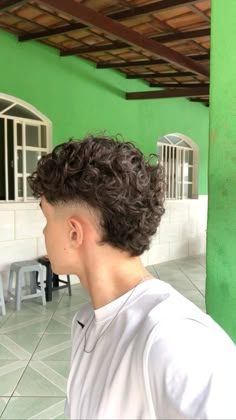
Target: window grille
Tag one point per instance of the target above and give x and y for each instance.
(177, 157)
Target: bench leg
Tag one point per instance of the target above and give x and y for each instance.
(33, 282)
(55, 280)
(19, 276)
(10, 285)
(49, 284)
(42, 287)
(69, 285)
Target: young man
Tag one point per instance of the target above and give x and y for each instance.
(140, 350)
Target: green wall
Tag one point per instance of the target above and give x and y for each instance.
(221, 237)
(80, 99)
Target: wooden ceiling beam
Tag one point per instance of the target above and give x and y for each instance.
(121, 64)
(159, 75)
(144, 63)
(51, 32)
(96, 48)
(135, 11)
(182, 85)
(7, 4)
(205, 100)
(118, 45)
(151, 8)
(169, 93)
(91, 17)
(199, 33)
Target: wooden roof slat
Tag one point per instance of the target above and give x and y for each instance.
(200, 13)
(135, 11)
(144, 63)
(169, 93)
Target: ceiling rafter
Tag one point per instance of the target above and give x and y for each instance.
(159, 75)
(93, 49)
(119, 45)
(7, 4)
(169, 93)
(151, 8)
(135, 11)
(51, 32)
(177, 85)
(144, 63)
(199, 33)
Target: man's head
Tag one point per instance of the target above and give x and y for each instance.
(112, 179)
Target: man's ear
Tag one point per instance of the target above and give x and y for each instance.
(75, 232)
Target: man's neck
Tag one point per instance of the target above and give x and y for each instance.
(112, 274)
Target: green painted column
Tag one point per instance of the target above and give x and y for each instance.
(221, 233)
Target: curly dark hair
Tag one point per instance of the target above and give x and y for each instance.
(110, 176)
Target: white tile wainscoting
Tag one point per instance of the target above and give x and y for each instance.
(182, 233)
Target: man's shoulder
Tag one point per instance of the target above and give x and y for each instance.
(173, 322)
(164, 304)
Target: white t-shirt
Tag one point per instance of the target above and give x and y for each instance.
(153, 356)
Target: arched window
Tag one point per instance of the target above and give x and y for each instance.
(179, 155)
(25, 136)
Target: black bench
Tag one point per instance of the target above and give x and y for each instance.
(53, 281)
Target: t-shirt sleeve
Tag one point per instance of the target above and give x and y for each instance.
(192, 372)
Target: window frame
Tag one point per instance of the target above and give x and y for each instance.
(41, 120)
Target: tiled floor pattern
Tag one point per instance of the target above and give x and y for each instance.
(35, 343)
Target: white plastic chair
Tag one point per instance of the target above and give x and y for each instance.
(20, 268)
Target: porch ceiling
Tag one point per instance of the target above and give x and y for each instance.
(164, 42)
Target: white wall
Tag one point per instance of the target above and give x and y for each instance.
(182, 232)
